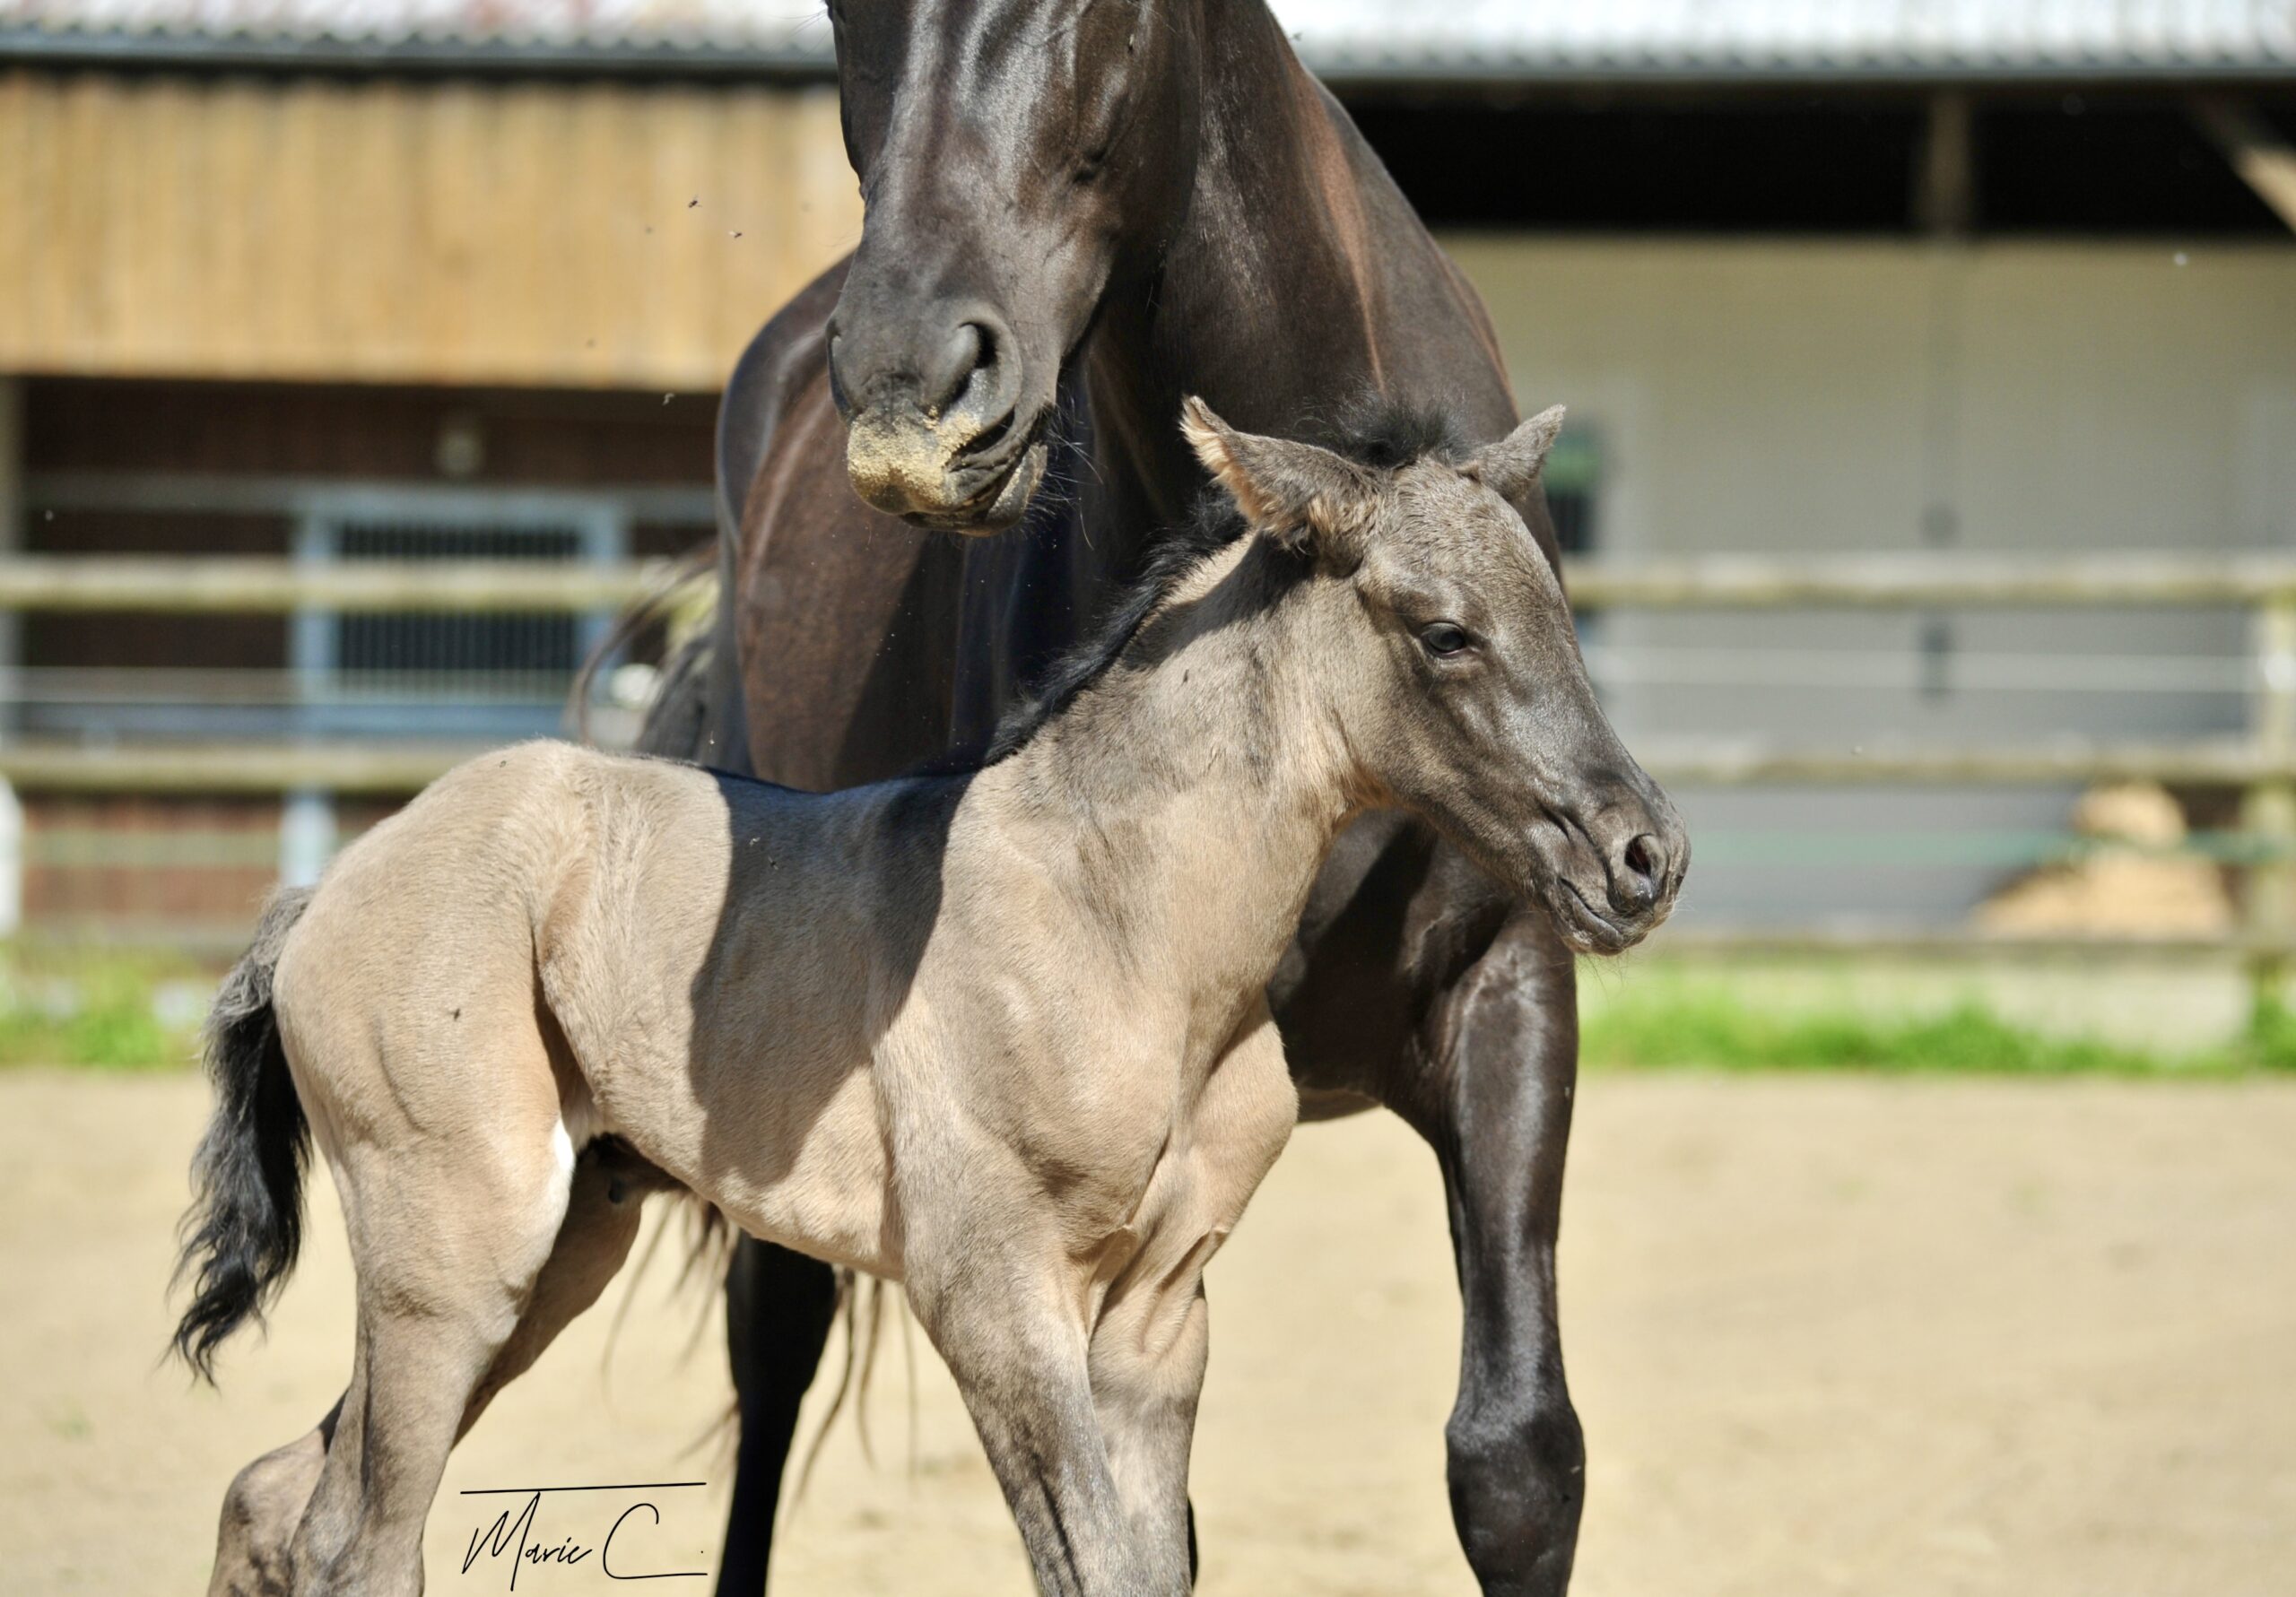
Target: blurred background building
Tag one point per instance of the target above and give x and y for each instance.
(436, 280)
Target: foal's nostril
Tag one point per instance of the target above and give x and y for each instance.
(1641, 865)
(1641, 856)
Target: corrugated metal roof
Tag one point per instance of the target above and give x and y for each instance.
(1537, 37)
(1482, 38)
(792, 29)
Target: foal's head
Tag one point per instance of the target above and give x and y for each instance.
(1447, 644)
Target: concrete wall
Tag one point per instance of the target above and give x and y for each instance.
(1826, 397)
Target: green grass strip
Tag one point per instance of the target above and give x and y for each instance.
(1685, 1024)
(100, 1011)
(96, 1011)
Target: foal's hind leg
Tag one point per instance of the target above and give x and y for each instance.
(454, 1182)
(603, 1211)
(261, 1510)
(268, 1498)
(429, 1330)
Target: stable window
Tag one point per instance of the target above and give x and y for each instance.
(1571, 475)
(441, 675)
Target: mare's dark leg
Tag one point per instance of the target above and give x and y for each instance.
(1418, 986)
(779, 1306)
(1505, 1043)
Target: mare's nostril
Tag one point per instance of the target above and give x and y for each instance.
(1634, 885)
(984, 343)
(954, 362)
(839, 394)
(967, 357)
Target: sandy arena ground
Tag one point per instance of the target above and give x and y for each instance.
(1828, 1336)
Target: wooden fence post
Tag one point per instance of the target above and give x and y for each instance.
(2269, 808)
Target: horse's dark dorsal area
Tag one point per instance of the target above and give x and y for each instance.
(1079, 211)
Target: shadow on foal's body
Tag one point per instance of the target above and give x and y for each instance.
(1002, 1035)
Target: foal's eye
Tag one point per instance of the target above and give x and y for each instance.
(1443, 638)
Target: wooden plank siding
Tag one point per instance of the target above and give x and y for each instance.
(523, 234)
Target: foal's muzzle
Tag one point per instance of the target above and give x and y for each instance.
(1616, 866)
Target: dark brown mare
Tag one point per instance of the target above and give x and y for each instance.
(1078, 210)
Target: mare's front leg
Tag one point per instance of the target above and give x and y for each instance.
(1500, 1046)
(1417, 985)
(779, 1308)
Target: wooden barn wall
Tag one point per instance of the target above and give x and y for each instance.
(528, 438)
(557, 235)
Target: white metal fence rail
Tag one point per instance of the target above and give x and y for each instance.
(2260, 764)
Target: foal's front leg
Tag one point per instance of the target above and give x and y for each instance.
(1147, 1363)
(997, 1311)
(1150, 1346)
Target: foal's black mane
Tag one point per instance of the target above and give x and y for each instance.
(1372, 430)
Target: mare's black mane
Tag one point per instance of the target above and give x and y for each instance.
(1373, 431)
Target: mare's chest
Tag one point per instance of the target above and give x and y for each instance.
(1031, 594)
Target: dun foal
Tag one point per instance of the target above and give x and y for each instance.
(998, 1034)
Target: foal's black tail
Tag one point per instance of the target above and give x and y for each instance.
(246, 1220)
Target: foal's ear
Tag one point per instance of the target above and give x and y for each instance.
(1510, 466)
(1303, 496)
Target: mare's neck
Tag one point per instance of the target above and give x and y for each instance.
(1195, 788)
(1298, 278)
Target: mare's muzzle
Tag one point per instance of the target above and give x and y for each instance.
(943, 472)
(936, 429)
